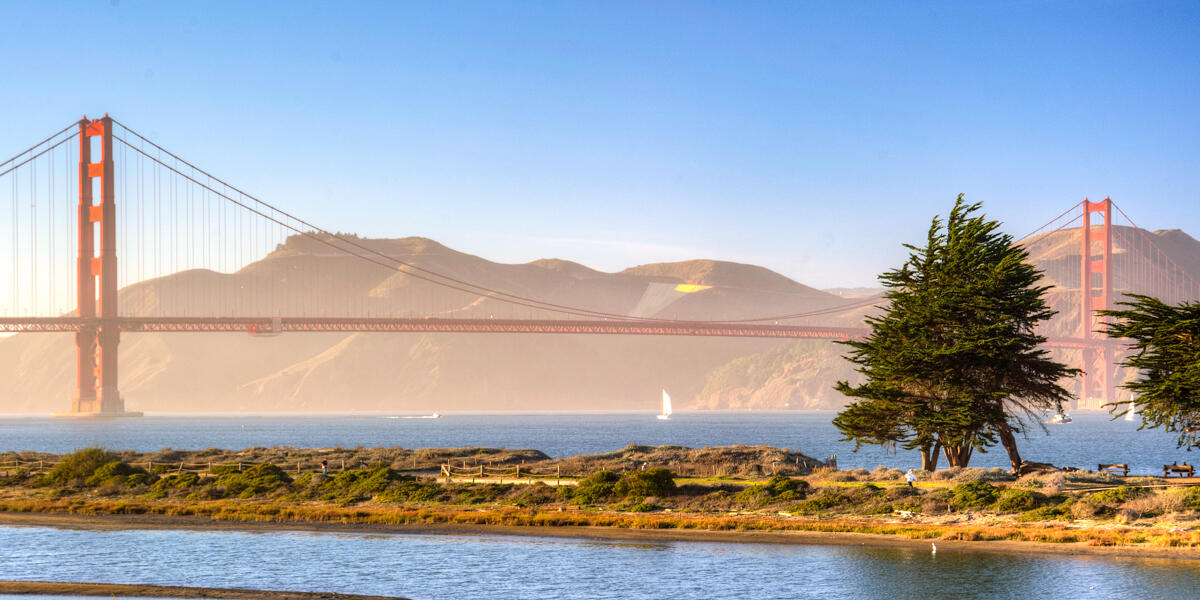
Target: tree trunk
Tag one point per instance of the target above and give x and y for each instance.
(929, 457)
(958, 456)
(1010, 445)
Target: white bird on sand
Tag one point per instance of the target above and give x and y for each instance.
(934, 546)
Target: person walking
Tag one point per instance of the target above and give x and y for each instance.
(325, 467)
(911, 478)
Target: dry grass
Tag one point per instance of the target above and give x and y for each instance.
(271, 512)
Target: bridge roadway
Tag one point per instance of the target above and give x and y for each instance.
(273, 326)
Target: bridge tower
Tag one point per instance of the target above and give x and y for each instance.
(1095, 292)
(96, 340)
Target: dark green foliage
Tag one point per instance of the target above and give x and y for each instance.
(655, 481)
(1015, 500)
(777, 489)
(1117, 495)
(825, 499)
(178, 481)
(595, 487)
(360, 484)
(975, 494)
(781, 485)
(226, 469)
(77, 467)
(954, 362)
(1191, 498)
(1165, 344)
(256, 480)
(413, 491)
(119, 472)
(644, 507)
(1047, 513)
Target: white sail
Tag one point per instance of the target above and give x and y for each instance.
(666, 413)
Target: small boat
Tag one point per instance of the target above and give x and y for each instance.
(666, 411)
(1061, 418)
(433, 416)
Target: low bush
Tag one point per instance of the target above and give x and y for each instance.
(1191, 498)
(595, 487)
(77, 467)
(256, 480)
(824, 499)
(1046, 513)
(1016, 500)
(414, 491)
(655, 481)
(975, 494)
(1118, 495)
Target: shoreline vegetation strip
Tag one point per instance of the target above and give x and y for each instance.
(968, 505)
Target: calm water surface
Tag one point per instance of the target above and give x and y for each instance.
(486, 566)
(1091, 439)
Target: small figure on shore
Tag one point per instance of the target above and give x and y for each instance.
(644, 465)
(324, 467)
(911, 478)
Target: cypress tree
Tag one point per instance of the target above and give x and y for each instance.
(953, 363)
(1165, 348)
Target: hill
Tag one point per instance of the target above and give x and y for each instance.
(408, 372)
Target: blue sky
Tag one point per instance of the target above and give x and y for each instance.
(812, 138)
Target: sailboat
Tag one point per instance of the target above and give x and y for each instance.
(1061, 418)
(666, 413)
(1131, 413)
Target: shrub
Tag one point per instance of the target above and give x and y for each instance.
(256, 480)
(595, 487)
(825, 499)
(655, 481)
(1087, 508)
(114, 472)
(777, 489)
(1191, 498)
(780, 484)
(643, 507)
(78, 466)
(975, 494)
(848, 475)
(970, 474)
(882, 473)
(1016, 500)
(413, 491)
(1046, 513)
(361, 483)
(1118, 495)
(178, 481)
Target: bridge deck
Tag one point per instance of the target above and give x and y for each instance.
(271, 326)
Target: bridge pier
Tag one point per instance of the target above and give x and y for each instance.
(1095, 294)
(99, 335)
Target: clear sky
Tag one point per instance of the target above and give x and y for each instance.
(812, 138)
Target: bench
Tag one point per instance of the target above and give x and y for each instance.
(1184, 470)
(1121, 469)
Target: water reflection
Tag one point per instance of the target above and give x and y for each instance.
(422, 566)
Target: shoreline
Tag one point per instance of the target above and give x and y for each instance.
(616, 534)
(138, 590)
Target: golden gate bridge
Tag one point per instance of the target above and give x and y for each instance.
(73, 191)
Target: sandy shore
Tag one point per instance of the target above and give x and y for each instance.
(118, 522)
(113, 590)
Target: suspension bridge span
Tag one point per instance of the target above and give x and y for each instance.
(176, 218)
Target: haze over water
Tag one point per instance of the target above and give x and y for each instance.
(1093, 437)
